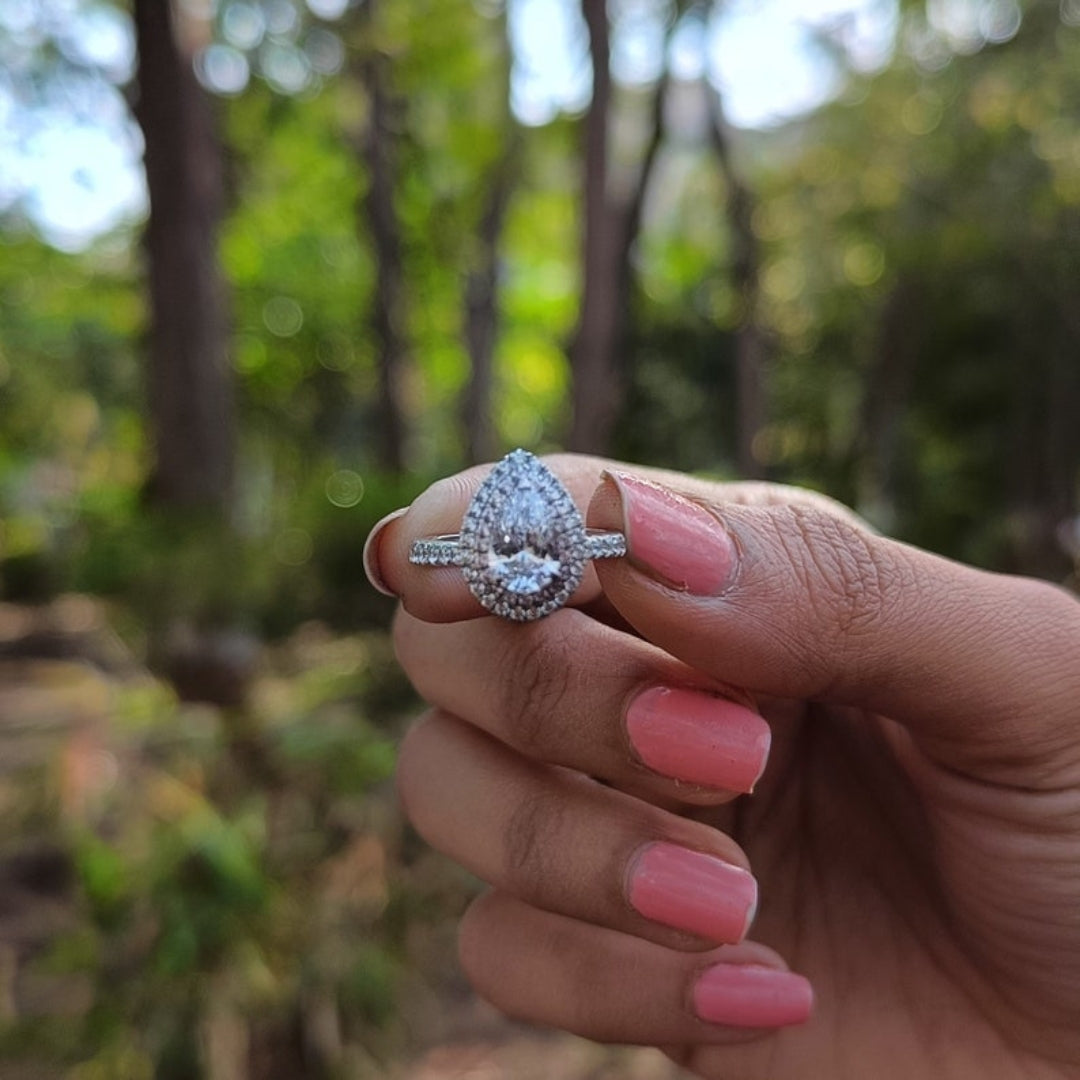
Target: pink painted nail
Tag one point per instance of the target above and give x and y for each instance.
(371, 552)
(678, 540)
(693, 891)
(697, 737)
(752, 996)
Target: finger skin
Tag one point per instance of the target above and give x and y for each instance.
(567, 844)
(611, 987)
(977, 665)
(561, 689)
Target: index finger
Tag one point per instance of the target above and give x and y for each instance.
(439, 594)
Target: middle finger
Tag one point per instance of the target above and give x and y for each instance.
(566, 844)
(571, 691)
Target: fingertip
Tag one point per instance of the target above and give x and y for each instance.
(431, 593)
(752, 996)
(371, 559)
(607, 512)
(606, 505)
(765, 746)
(698, 737)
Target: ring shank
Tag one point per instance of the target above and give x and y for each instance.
(446, 550)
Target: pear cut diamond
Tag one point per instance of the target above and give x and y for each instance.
(522, 543)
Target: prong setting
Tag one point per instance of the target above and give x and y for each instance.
(523, 545)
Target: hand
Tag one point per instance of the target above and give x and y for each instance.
(915, 833)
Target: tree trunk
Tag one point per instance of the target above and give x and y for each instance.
(884, 405)
(189, 386)
(1044, 454)
(595, 379)
(482, 309)
(481, 322)
(751, 346)
(1045, 458)
(611, 226)
(383, 228)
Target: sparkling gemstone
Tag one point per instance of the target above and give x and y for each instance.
(525, 572)
(519, 556)
(523, 539)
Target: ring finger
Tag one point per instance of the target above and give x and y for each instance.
(566, 844)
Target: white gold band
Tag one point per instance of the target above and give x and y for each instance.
(446, 550)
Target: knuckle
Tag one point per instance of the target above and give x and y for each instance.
(530, 842)
(1054, 606)
(846, 573)
(535, 685)
(849, 579)
(1046, 622)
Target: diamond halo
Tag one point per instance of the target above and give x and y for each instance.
(523, 544)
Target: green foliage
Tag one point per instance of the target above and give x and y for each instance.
(208, 888)
(956, 177)
(936, 187)
(69, 394)
(105, 881)
(240, 870)
(370, 985)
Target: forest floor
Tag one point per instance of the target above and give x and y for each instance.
(82, 750)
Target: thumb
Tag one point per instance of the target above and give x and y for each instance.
(796, 601)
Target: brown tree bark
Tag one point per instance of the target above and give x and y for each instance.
(1044, 440)
(190, 392)
(482, 309)
(379, 215)
(1045, 461)
(751, 345)
(481, 315)
(884, 404)
(611, 226)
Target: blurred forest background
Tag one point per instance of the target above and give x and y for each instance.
(360, 256)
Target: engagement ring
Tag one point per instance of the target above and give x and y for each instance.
(523, 544)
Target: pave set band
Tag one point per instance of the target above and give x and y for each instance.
(447, 550)
(523, 544)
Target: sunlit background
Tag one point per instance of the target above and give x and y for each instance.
(835, 244)
(72, 154)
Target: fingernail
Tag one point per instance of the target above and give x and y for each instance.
(752, 996)
(371, 552)
(677, 540)
(699, 738)
(693, 891)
